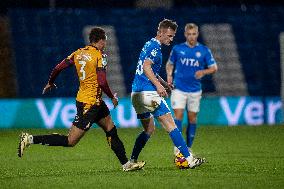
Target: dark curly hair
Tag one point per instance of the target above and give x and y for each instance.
(97, 34)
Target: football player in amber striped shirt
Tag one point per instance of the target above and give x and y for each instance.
(90, 63)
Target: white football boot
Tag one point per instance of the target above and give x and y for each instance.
(194, 161)
(141, 164)
(25, 141)
(133, 165)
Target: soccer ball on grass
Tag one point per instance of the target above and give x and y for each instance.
(181, 162)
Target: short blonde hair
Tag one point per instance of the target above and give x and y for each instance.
(189, 26)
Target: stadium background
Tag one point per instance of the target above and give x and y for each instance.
(245, 38)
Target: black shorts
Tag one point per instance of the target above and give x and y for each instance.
(92, 115)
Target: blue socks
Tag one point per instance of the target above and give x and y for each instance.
(175, 135)
(139, 145)
(179, 124)
(179, 142)
(190, 133)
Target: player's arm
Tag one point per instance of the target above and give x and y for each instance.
(166, 85)
(212, 66)
(102, 81)
(170, 66)
(201, 73)
(147, 69)
(169, 69)
(55, 72)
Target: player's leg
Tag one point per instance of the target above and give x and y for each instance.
(178, 118)
(178, 121)
(168, 124)
(165, 118)
(193, 104)
(141, 140)
(178, 103)
(191, 128)
(104, 120)
(143, 103)
(113, 139)
(75, 134)
(81, 124)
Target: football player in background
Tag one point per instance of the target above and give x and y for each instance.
(90, 63)
(149, 90)
(187, 64)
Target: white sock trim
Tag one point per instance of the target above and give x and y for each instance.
(189, 159)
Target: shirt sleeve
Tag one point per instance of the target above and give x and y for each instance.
(102, 61)
(69, 61)
(102, 81)
(101, 74)
(152, 54)
(209, 59)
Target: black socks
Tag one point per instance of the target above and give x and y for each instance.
(116, 145)
(51, 140)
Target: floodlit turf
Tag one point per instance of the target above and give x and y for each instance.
(238, 157)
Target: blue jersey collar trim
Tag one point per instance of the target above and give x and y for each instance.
(197, 44)
(154, 39)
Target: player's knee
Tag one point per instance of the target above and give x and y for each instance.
(192, 117)
(149, 130)
(192, 120)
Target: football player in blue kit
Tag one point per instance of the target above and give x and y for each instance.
(149, 90)
(188, 63)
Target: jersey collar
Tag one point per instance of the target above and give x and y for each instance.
(154, 39)
(93, 47)
(197, 44)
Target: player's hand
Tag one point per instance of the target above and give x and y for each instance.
(169, 88)
(48, 87)
(161, 91)
(170, 79)
(199, 74)
(114, 100)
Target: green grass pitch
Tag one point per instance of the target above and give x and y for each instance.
(238, 157)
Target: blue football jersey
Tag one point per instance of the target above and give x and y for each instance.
(151, 51)
(187, 61)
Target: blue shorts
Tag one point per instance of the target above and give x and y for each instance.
(162, 109)
(146, 103)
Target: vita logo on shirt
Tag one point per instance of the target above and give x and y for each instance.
(189, 62)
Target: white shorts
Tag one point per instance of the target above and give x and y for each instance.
(191, 100)
(147, 102)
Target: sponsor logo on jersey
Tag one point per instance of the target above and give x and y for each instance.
(154, 52)
(84, 56)
(182, 52)
(198, 54)
(189, 62)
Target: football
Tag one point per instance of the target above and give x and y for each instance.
(181, 162)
